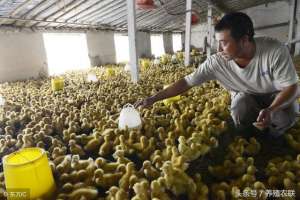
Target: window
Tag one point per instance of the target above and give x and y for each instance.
(122, 48)
(157, 45)
(177, 42)
(65, 52)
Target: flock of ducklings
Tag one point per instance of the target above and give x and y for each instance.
(92, 159)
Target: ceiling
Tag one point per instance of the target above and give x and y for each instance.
(108, 14)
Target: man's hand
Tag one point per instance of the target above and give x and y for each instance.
(171, 91)
(264, 118)
(145, 103)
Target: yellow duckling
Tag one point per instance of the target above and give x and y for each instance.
(75, 148)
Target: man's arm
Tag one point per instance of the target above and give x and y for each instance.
(283, 99)
(173, 90)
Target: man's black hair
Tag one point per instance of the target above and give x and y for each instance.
(238, 23)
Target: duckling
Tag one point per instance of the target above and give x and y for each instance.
(178, 160)
(28, 141)
(145, 154)
(141, 145)
(221, 171)
(158, 191)
(106, 147)
(65, 165)
(58, 151)
(274, 181)
(177, 180)
(253, 147)
(157, 160)
(4, 149)
(141, 190)
(11, 142)
(65, 178)
(75, 148)
(202, 189)
(48, 129)
(292, 142)
(106, 165)
(78, 164)
(240, 167)
(87, 193)
(124, 181)
(106, 180)
(67, 187)
(119, 156)
(121, 195)
(40, 144)
(112, 191)
(54, 143)
(149, 171)
(19, 143)
(92, 145)
(9, 130)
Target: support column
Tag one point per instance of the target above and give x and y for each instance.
(187, 44)
(168, 42)
(133, 62)
(291, 25)
(210, 29)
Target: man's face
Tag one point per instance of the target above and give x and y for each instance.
(227, 46)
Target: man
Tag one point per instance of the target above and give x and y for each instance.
(258, 72)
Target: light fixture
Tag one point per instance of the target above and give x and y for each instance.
(145, 4)
(194, 19)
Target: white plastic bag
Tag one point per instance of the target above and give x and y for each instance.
(2, 101)
(174, 59)
(156, 61)
(127, 67)
(91, 77)
(129, 117)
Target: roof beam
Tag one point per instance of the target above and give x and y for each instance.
(108, 13)
(116, 16)
(166, 20)
(67, 12)
(141, 13)
(105, 8)
(219, 6)
(38, 20)
(83, 11)
(17, 9)
(113, 21)
(3, 2)
(157, 15)
(42, 11)
(61, 10)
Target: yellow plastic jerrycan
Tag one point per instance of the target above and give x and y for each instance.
(57, 83)
(171, 99)
(145, 64)
(27, 173)
(110, 72)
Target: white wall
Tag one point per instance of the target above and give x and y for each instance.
(297, 32)
(143, 44)
(168, 42)
(199, 32)
(22, 55)
(101, 47)
(274, 13)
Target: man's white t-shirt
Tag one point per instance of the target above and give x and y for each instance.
(270, 70)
